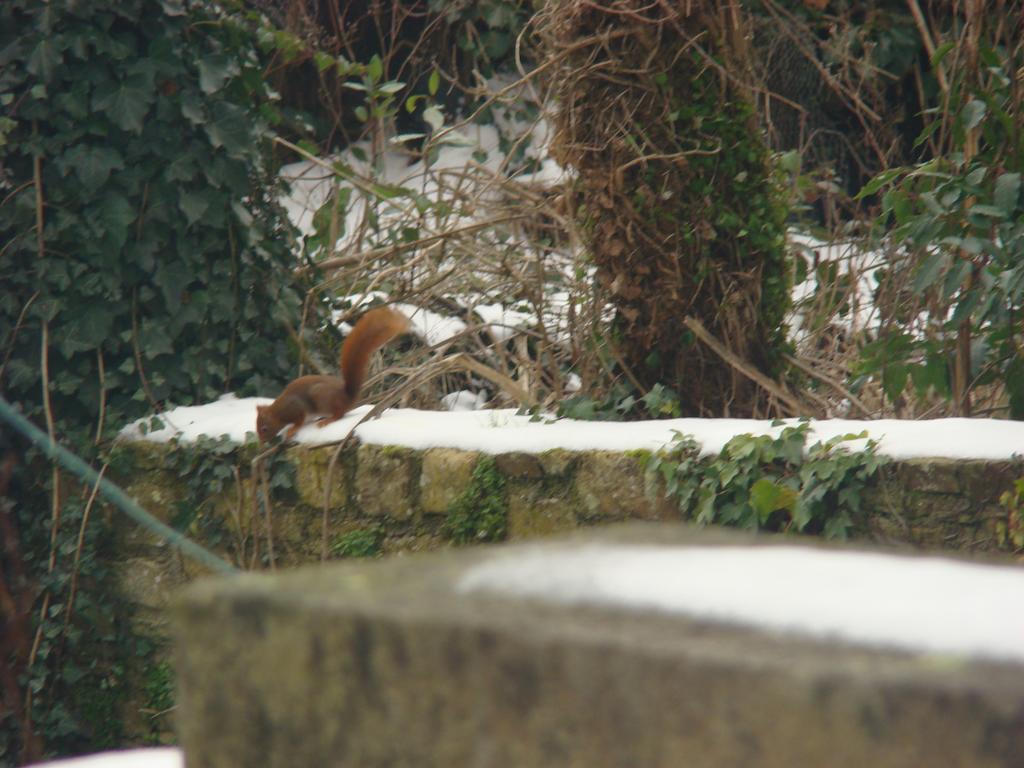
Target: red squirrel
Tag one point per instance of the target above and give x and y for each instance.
(331, 396)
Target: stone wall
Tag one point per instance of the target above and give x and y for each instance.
(391, 499)
(402, 496)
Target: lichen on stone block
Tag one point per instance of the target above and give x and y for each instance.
(613, 486)
(445, 475)
(532, 512)
(387, 481)
(313, 471)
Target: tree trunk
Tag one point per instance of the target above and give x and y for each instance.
(677, 196)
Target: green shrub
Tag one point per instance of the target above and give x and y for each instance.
(139, 135)
(958, 222)
(143, 261)
(776, 484)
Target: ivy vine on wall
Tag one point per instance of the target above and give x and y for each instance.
(143, 260)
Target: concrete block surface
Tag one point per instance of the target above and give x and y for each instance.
(411, 662)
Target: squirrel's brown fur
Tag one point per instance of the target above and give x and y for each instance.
(331, 397)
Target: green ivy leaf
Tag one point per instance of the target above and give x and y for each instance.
(228, 127)
(193, 204)
(44, 60)
(154, 338)
(173, 7)
(706, 505)
(92, 325)
(125, 103)
(192, 108)
(93, 165)
(117, 216)
(215, 70)
(767, 496)
(741, 446)
(173, 278)
(1015, 388)
(75, 100)
(836, 527)
(1007, 192)
(973, 113)
(800, 514)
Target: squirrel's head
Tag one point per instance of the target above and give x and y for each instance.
(267, 426)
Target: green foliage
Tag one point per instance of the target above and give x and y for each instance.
(658, 403)
(217, 476)
(162, 247)
(1013, 502)
(485, 31)
(481, 513)
(136, 133)
(960, 219)
(776, 484)
(77, 684)
(738, 198)
(158, 688)
(394, 212)
(363, 542)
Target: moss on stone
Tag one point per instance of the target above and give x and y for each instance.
(481, 513)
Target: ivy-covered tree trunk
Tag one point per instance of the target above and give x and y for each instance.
(676, 195)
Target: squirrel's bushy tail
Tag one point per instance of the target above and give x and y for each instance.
(374, 329)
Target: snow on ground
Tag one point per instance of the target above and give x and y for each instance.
(465, 166)
(473, 151)
(466, 169)
(155, 757)
(464, 400)
(433, 327)
(504, 321)
(850, 258)
(502, 431)
(926, 605)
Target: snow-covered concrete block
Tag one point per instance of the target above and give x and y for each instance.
(644, 645)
